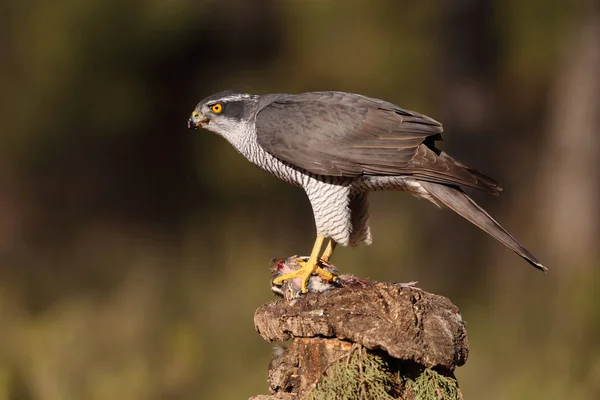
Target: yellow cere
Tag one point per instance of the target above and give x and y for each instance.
(195, 114)
(217, 108)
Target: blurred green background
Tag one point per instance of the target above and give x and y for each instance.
(133, 252)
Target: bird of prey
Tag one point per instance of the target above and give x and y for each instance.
(339, 147)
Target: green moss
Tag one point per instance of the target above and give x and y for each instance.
(366, 375)
(363, 375)
(431, 385)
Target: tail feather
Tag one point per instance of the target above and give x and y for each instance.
(458, 201)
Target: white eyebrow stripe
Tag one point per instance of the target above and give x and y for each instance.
(237, 97)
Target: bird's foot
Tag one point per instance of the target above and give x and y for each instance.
(307, 268)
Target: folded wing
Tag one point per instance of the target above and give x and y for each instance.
(342, 134)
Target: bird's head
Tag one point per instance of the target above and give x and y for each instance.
(223, 113)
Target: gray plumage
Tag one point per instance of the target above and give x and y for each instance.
(340, 146)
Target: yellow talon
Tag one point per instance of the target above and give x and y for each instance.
(311, 266)
(308, 268)
(328, 250)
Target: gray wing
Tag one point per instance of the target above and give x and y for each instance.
(343, 134)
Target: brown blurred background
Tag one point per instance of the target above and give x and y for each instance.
(133, 252)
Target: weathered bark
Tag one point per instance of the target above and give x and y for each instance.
(405, 328)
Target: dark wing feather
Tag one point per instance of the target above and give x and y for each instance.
(342, 134)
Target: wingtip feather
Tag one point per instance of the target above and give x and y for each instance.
(540, 267)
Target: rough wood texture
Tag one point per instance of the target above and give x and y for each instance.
(407, 323)
(304, 363)
(402, 323)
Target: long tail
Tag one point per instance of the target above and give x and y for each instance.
(455, 199)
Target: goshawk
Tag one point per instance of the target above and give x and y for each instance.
(340, 146)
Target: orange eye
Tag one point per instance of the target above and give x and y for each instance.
(217, 108)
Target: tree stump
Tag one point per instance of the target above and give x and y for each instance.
(364, 341)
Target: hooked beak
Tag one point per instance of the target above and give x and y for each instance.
(197, 122)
